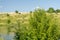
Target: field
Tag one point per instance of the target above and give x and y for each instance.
(13, 18)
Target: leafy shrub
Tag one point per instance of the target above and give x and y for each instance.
(44, 25)
(41, 27)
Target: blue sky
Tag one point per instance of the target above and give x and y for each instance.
(27, 5)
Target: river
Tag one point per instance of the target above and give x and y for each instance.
(7, 36)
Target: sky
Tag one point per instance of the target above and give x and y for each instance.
(27, 5)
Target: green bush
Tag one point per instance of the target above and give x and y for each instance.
(51, 10)
(44, 25)
(41, 27)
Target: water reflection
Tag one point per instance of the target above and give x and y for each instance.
(7, 36)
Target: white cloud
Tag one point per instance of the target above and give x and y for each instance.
(37, 7)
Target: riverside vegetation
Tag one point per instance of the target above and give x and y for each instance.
(36, 25)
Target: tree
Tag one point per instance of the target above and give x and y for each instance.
(16, 11)
(51, 10)
(57, 11)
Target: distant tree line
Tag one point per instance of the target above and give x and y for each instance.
(52, 10)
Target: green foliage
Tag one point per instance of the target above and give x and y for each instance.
(45, 26)
(51, 10)
(58, 11)
(40, 26)
(16, 11)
